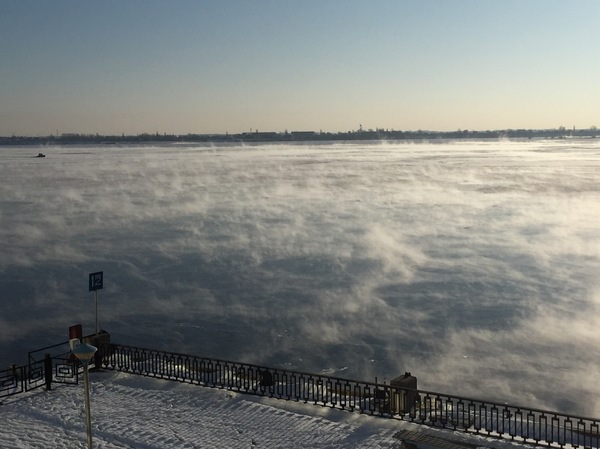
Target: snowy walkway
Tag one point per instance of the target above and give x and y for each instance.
(130, 411)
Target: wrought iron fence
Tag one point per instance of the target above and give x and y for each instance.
(45, 366)
(516, 423)
(512, 422)
(38, 373)
(12, 381)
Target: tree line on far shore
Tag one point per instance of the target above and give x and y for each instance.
(300, 136)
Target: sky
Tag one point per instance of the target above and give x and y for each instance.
(181, 67)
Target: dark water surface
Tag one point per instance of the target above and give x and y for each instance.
(474, 265)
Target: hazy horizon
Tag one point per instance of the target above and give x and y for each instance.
(318, 131)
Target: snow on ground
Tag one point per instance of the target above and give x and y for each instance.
(130, 411)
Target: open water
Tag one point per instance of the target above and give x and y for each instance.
(473, 265)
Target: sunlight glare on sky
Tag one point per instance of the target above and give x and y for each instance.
(115, 67)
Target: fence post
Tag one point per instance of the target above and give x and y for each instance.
(48, 371)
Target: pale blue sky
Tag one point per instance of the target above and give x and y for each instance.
(119, 66)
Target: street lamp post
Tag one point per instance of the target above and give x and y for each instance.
(84, 352)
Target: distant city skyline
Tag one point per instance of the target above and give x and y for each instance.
(231, 66)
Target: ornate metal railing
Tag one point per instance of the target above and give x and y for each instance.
(516, 423)
(512, 422)
(12, 381)
(38, 373)
(45, 366)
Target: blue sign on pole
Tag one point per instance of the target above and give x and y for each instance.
(96, 280)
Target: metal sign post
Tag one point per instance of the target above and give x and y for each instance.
(96, 283)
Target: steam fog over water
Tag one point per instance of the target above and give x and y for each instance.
(474, 265)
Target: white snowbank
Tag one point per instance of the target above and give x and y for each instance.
(130, 411)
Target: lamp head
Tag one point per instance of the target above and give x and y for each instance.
(84, 352)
